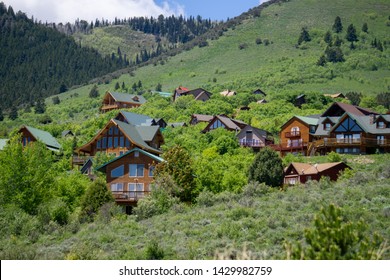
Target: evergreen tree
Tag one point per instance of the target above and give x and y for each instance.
(139, 84)
(40, 106)
(328, 38)
(1, 115)
(117, 86)
(13, 115)
(304, 36)
(351, 33)
(321, 61)
(267, 168)
(365, 27)
(94, 92)
(334, 54)
(337, 42)
(56, 100)
(158, 87)
(337, 26)
(123, 86)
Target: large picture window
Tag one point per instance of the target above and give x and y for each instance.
(136, 170)
(118, 187)
(118, 172)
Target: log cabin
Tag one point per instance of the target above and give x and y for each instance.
(116, 100)
(30, 134)
(297, 172)
(130, 176)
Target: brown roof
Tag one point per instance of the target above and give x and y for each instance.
(308, 169)
(228, 93)
(202, 118)
(348, 108)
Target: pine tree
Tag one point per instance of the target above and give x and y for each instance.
(94, 92)
(40, 106)
(351, 33)
(337, 26)
(117, 86)
(365, 27)
(13, 115)
(334, 54)
(1, 115)
(304, 36)
(328, 38)
(321, 61)
(158, 87)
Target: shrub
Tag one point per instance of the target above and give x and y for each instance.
(267, 168)
(153, 251)
(332, 238)
(334, 157)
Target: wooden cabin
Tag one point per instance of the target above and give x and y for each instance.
(199, 94)
(116, 100)
(224, 122)
(31, 134)
(129, 177)
(295, 135)
(254, 138)
(297, 172)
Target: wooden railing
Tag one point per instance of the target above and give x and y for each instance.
(129, 196)
(251, 143)
(79, 160)
(289, 147)
(293, 134)
(337, 142)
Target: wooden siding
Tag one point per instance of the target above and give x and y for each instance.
(128, 197)
(27, 137)
(292, 141)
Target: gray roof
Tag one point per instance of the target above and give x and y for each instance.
(137, 119)
(367, 125)
(320, 131)
(45, 137)
(137, 134)
(126, 97)
(308, 120)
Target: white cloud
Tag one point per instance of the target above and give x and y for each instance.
(69, 10)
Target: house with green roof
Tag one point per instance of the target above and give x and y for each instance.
(117, 100)
(296, 134)
(31, 134)
(130, 176)
(139, 119)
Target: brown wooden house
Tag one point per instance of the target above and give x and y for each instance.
(254, 137)
(116, 100)
(295, 135)
(117, 137)
(298, 172)
(129, 177)
(224, 122)
(30, 134)
(199, 94)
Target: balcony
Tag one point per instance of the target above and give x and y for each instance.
(293, 134)
(350, 142)
(301, 146)
(129, 196)
(251, 143)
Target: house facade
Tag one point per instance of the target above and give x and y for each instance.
(116, 100)
(199, 94)
(224, 122)
(129, 177)
(254, 137)
(297, 172)
(30, 134)
(295, 135)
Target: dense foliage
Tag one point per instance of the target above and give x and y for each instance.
(37, 61)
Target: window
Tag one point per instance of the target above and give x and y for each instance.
(104, 142)
(109, 144)
(217, 124)
(151, 170)
(118, 187)
(327, 126)
(136, 154)
(118, 172)
(111, 130)
(381, 124)
(121, 142)
(127, 143)
(136, 170)
(380, 139)
(136, 190)
(116, 142)
(312, 129)
(98, 144)
(295, 131)
(116, 130)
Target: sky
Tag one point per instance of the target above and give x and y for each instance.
(70, 10)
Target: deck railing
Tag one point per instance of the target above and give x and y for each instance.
(251, 143)
(342, 142)
(129, 195)
(293, 134)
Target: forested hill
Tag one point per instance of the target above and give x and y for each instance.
(37, 61)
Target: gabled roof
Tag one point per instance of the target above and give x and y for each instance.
(308, 169)
(154, 157)
(337, 109)
(202, 118)
(43, 136)
(228, 93)
(367, 123)
(320, 131)
(197, 93)
(259, 91)
(66, 133)
(135, 119)
(229, 123)
(136, 135)
(3, 142)
(126, 97)
(308, 120)
(257, 131)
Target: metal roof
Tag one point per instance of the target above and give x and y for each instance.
(44, 136)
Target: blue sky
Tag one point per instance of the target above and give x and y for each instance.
(214, 9)
(69, 10)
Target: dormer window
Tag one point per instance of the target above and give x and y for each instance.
(381, 124)
(327, 126)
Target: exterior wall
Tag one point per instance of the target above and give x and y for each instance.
(127, 196)
(299, 141)
(27, 137)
